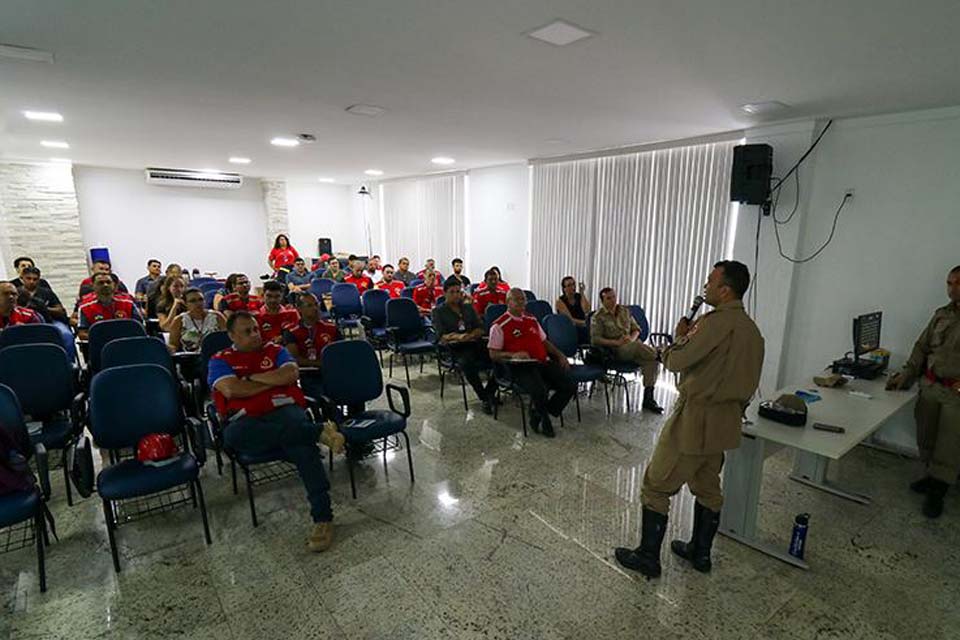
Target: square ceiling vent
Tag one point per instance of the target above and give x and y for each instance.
(560, 33)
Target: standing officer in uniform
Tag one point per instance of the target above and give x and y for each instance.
(935, 359)
(719, 359)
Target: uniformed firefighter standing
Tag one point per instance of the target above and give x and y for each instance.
(935, 360)
(719, 359)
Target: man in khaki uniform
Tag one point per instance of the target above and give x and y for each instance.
(613, 326)
(719, 359)
(935, 359)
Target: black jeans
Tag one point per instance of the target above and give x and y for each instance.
(472, 358)
(539, 379)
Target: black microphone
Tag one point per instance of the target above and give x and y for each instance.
(697, 302)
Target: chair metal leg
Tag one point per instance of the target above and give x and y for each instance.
(111, 525)
(391, 364)
(606, 395)
(385, 455)
(353, 483)
(40, 527)
(193, 495)
(421, 363)
(66, 477)
(463, 390)
(523, 415)
(409, 455)
(216, 451)
(576, 400)
(203, 510)
(442, 378)
(253, 508)
(626, 392)
(496, 402)
(406, 368)
(233, 475)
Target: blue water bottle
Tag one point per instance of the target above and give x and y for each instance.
(798, 541)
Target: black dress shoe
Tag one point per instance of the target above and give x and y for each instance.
(922, 485)
(486, 407)
(534, 420)
(649, 403)
(933, 503)
(546, 427)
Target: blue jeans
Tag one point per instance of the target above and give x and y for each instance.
(289, 429)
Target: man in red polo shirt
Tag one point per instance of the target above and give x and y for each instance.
(393, 287)
(357, 277)
(431, 265)
(10, 313)
(426, 294)
(107, 305)
(306, 339)
(488, 293)
(518, 342)
(273, 317)
(100, 266)
(256, 394)
(240, 299)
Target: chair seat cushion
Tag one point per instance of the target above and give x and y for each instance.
(246, 458)
(56, 433)
(415, 346)
(18, 506)
(132, 478)
(586, 372)
(386, 423)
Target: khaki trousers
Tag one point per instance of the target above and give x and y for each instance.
(668, 470)
(938, 430)
(642, 354)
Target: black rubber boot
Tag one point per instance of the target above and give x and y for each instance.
(933, 504)
(646, 557)
(922, 485)
(697, 551)
(649, 403)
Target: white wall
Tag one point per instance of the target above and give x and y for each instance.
(323, 211)
(214, 230)
(498, 218)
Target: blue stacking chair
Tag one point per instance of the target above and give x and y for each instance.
(351, 377)
(562, 333)
(321, 287)
(531, 296)
(654, 339)
(30, 334)
(211, 344)
(539, 309)
(407, 292)
(24, 510)
(208, 297)
(375, 319)
(213, 285)
(145, 350)
(416, 282)
(491, 313)
(408, 335)
(347, 307)
(202, 280)
(43, 380)
(127, 403)
(103, 332)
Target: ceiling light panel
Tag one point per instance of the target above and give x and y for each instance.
(43, 116)
(54, 144)
(373, 172)
(285, 142)
(239, 160)
(560, 33)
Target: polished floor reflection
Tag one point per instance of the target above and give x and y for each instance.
(500, 537)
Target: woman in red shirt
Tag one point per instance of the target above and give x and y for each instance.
(282, 256)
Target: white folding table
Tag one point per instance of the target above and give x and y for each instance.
(743, 468)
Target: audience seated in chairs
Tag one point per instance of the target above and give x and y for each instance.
(426, 294)
(489, 292)
(12, 314)
(190, 327)
(457, 265)
(460, 329)
(403, 273)
(389, 283)
(100, 266)
(306, 339)
(613, 327)
(373, 270)
(273, 316)
(500, 284)
(228, 285)
(22, 263)
(41, 299)
(262, 409)
(429, 265)
(171, 303)
(574, 304)
(517, 341)
(106, 305)
(357, 277)
(333, 271)
(142, 288)
(299, 279)
(240, 299)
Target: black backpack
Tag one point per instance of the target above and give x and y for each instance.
(80, 463)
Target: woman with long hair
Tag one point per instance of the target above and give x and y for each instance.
(171, 301)
(224, 291)
(282, 256)
(575, 305)
(190, 327)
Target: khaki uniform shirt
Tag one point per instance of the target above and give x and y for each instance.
(719, 362)
(938, 347)
(612, 326)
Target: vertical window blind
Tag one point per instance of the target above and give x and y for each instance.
(424, 218)
(648, 224)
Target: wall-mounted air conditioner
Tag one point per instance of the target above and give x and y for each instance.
(193, 178)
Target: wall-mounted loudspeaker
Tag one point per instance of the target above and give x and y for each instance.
(324, 246)
(752, 168)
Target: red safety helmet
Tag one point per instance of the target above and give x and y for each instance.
(155, 447)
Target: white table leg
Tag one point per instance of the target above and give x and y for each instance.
(742, 477)
(811, 470)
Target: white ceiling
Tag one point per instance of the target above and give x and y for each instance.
(188, 83)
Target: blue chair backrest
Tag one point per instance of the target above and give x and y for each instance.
(210, 286)
(40, 375)
(208, 297)
(346, 300)
(127, 403)
(321, 286)
(351, 372)
(375, 307)
(202, 280)
(404, 315)
(407, 292)
(416, 282)
(539, 309)
(492, 312)
(561, 332)
(531, 296)
(30, 334)
(641, 317)
(106, 330)
(440, 301)
(11, 415)
(125, 351)
(213, 343)
(472, 286)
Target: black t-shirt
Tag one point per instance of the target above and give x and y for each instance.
(17, 282)
(446, 320)
(575, 308)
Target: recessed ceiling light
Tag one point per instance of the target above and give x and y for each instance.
(61, 160)
(239, 160)
(43, 116)
(763, 108)
(54, 144)
(442, 160)
(285, 142)
(369, 110)
(326, 180)
(373, 172)
(560, 33)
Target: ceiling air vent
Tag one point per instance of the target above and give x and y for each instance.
(193, 178)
